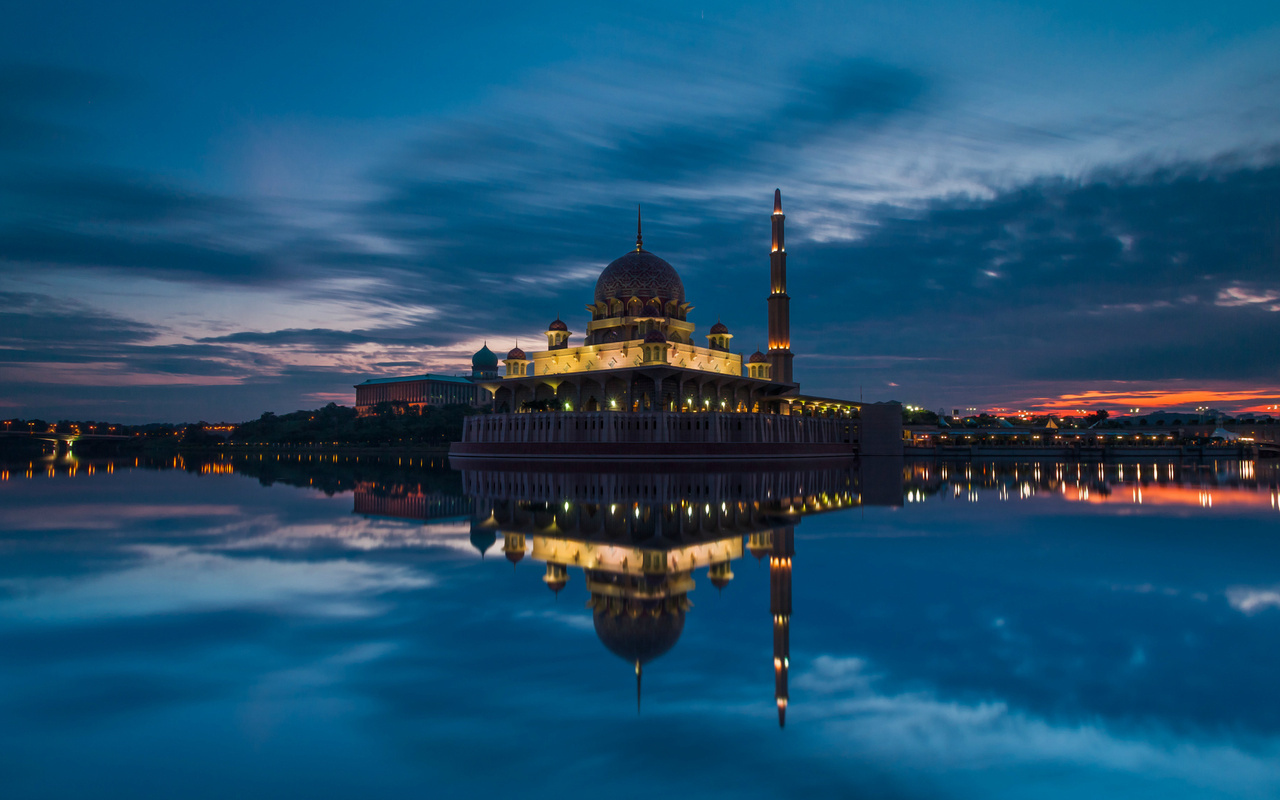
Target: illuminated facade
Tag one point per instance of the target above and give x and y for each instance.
(641, 352)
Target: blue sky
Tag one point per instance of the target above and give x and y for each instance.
(214, 213)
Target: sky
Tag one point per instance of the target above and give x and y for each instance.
(207, 213)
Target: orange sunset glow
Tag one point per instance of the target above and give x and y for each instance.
(1262, 400)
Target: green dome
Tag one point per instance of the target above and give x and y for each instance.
(482, 540)
(484, 358)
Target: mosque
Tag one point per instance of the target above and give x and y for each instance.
(640, 354)
(640, 351)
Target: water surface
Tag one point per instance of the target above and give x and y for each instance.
(271, 625)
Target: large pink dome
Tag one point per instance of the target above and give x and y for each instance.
(639, 274)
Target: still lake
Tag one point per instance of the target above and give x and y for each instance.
(275, 625)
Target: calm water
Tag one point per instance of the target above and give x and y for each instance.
(331, 628)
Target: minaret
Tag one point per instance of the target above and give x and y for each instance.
(780, 604)
(779, 303)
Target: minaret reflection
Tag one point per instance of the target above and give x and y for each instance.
(780, 605)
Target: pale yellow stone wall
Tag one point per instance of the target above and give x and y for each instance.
(618, 355)
(634, 560)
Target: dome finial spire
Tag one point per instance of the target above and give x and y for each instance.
(777, 201)
(639, 238)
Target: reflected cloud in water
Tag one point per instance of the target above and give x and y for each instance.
(922, 628)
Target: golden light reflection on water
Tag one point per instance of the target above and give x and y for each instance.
(1188, 484)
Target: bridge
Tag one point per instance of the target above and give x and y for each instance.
(62, 442)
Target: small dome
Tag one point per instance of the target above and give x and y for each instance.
(516, 352)
(758, 358)
(720, 581)
(558, 325)
(639, 274)
(482, 539)
(515, 555)
(654, 336)
(719, 328)
(485, 358)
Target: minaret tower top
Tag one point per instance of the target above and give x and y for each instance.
(779, 303)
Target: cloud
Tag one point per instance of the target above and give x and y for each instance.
(84, 516)
(932, 736)
(848, 96)
(1062, 280)
(936, 284)
(169, 580)
(1251, 600)
(1236, 296)
(31, 320)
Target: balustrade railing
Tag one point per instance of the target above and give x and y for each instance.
(652, 427)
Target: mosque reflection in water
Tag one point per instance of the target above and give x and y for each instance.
(638, 539)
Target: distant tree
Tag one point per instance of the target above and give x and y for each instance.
(919, 416)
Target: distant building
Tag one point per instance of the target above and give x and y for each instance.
(416, 391)
(419, 391)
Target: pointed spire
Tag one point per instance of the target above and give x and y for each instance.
(639, 238)
(637, 687)
(777, 201)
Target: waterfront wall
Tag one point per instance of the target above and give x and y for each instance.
(611, 427)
